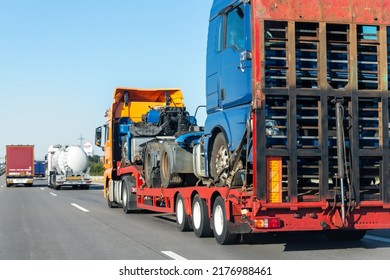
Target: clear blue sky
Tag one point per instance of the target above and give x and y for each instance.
(61, 60)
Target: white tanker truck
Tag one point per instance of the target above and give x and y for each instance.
(67, 166)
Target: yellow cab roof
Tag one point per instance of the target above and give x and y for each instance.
(140, 101)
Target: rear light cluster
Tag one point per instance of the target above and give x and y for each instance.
(268, 223)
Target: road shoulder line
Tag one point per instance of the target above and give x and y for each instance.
(79, 207)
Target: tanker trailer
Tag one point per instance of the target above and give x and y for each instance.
(67, 166)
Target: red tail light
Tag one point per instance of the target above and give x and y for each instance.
(268, 223)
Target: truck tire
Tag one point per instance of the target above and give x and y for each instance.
(50, 181)
(182, 220)
(128, 198)
(54, 182)
(200, 218)
(220, 222)
(168, 178)
(219, 161)
(109, 203)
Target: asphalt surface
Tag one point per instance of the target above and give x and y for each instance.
(38, 223)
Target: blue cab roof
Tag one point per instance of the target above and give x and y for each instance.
(218, 5)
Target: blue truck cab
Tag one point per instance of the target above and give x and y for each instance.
(39, 168)
(229, 76)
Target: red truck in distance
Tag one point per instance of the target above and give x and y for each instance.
(19, 165)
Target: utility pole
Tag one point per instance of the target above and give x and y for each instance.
(81, 140)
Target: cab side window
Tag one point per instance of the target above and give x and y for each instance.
(235, 34)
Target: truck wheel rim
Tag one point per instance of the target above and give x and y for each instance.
(222, 160)
(196, 215)
(180, 211)
(218, 220)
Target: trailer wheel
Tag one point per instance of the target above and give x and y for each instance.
(221, 230)
(128, 198)
(125, 202)
(219, 161)
(182, 220)
(200, 218)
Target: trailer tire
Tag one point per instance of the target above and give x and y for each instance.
(128, 198)
(219, 160)
(125, 202)
(200, 218)
(182, 219)
(220, 223)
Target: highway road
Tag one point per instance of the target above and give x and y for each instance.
(38, 223)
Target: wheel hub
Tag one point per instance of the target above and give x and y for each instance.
(218, 220)
(222, 161)
(196, 215)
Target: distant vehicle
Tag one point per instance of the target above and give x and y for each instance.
(19, 165)
(39, 168)
(67, 166)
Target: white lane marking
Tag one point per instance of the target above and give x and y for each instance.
(43, 189)
(79, 207)
(53, 194)
(377, 238)
(2, 186)
(173, 255)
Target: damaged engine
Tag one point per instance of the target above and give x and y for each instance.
(157, 122)
(163, 121)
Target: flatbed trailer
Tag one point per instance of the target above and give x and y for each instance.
(297, 132)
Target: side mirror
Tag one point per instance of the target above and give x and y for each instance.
(98, 136)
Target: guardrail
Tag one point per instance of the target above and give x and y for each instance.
(97, 179)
